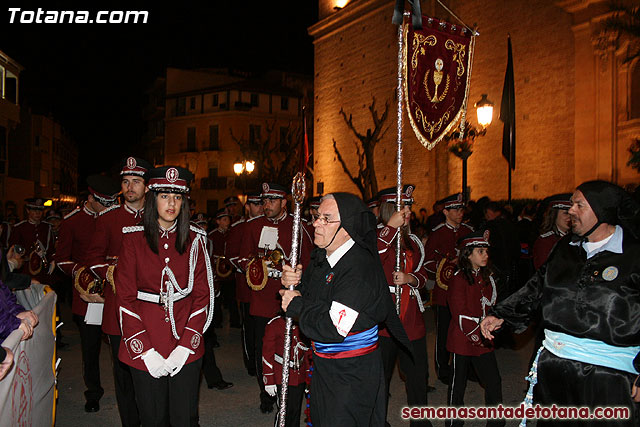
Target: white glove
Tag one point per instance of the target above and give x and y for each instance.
(271, 390)
(177, 359)
(156, 364)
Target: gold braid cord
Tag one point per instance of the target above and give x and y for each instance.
(254, 266)
(110, 279)
(221, 273)
(444, 272)
(83, 281)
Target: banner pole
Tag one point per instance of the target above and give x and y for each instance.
(399, 154)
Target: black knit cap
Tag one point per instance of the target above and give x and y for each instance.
(611, 205)
(357, 220)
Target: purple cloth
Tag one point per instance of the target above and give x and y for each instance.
(9, 308)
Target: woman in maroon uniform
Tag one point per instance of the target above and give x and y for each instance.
(472, 291)
(411, 278)
(165, 302)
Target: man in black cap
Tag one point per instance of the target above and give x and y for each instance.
(253, 208)
(234, 207)
(103, 257)
(36, 237)
(76, 236)
(439, 254)
(265, 248)
(225, 283)
(339, 302)
(589, 294)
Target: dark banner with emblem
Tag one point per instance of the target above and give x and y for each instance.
(437, 65)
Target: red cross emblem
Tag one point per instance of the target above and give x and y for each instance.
(342, 314)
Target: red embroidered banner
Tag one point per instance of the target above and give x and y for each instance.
(437, 62)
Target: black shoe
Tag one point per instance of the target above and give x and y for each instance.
(221, 385)
(92, 405)
(430, 388)
(251, 372)
(266, 408)
(444, 380)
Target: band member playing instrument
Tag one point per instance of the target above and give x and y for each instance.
(76, 235)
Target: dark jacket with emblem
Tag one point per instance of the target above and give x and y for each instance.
(411, 262)
(266, 302)
(465, 300)
(105, 251)
(442, 243)
(74, 240)
(596, 298)
(143, 323)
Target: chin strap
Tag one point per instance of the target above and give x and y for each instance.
(585, 236)
(332, 239)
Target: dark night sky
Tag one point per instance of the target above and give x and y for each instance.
(92, 77)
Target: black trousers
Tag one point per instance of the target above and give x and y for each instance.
(260, 324)
(443, 317)
(295, 393)
(247, 335)
(228, 291)
(90, 343)
(168, 400)
(486, 368)
(415, 370)
(212, 374)
(125, 395)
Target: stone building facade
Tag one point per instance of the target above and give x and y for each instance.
(574, 97)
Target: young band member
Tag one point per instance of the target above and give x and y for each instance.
(472, 291)
(165, 302)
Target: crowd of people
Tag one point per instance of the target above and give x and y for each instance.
(155, 276)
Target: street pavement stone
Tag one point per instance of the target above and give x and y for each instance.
(239, 405)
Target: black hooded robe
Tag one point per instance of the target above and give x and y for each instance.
(349, 391)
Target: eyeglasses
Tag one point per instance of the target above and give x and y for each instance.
(322, 219)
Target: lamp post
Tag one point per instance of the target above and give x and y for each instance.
(244, 168)
(463, 145)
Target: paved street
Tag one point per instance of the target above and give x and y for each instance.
(239, 405)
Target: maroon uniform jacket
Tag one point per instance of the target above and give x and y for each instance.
(411, 261)
(143, 323)
(266, 302)
(104, 252)
(234, 240)
(542, 247)
(442, 242)
(466, 300)
(26, 234)
(74, 240)
(272, 346)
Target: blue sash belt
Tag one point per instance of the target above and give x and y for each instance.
(590, 351)
(358, 341)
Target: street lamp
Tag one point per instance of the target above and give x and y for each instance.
(462, 146)
(244, 168)
(484, 109)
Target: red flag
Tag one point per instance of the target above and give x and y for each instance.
(304, 150)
